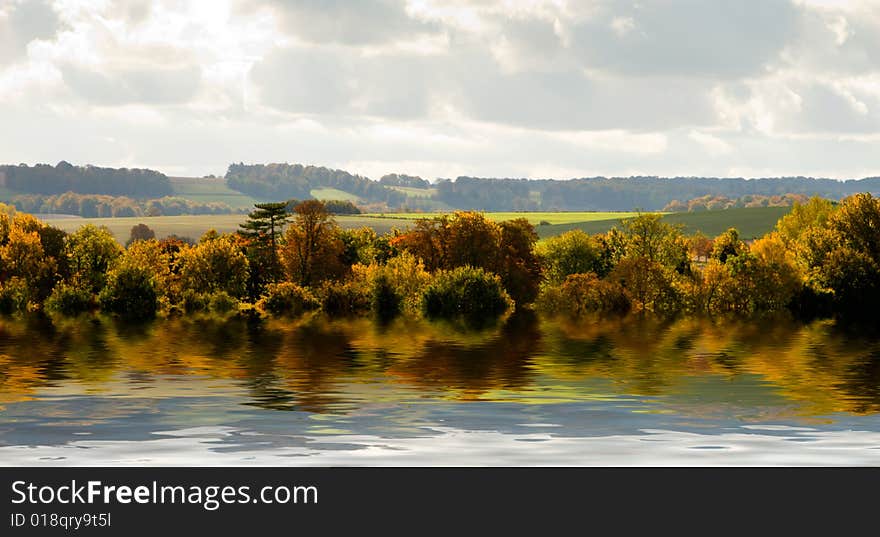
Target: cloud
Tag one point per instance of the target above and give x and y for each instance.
(21, 23)
(155, 85)
(350, 22)
(331, 81)
(445, 87)
(691, 38)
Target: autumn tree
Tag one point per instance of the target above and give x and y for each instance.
(469, 239)
(518, 265)
(425, 241)
(700, 246)
(140, 232)
(312, 250)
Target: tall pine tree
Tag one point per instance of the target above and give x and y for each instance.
(262, 229)
(266, 223)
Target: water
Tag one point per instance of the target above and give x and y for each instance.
(528, 392)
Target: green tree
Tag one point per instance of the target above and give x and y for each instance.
(261, 233)
(647, 236)
(266, 223)
(727, 245)
(573, 252)
(131, 292)
(216, 265)
(803, 217)
(90, 253)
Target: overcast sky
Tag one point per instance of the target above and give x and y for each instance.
(441, 88)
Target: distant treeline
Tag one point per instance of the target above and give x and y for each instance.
(102, 206)
(296, 181)
(47, 179)
(411, 181)
(285, 181)
(649, 193)
(717, 203)
(625, 194)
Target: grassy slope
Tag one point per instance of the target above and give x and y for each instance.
(413, 192)
(208, 190)
(751, 223)
(326, 193)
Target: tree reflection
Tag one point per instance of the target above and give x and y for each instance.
(320, 366)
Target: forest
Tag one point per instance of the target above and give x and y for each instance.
(628, 193)
(286, 181)
(822, 260)
(104, 206)
(64, 177)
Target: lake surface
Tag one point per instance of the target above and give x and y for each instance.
(528, 392)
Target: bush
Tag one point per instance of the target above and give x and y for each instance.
(404, 274)
(13, 296)
(68, 299)
(465, 292)
(287, 299)
(131, 293)
(221, 302)
(580, 294)
(193, 302)
(348, 298)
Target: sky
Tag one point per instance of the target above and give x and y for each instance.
(442, 88)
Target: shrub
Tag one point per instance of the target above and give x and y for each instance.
(221, 302)
(580, 294)
(13, 296)
(130, 292)
(344, 298)
(465, 292)
(193, 302)
(287, 299)
(68, 299)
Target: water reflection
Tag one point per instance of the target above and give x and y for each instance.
(319, 385)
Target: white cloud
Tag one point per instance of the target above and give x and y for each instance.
(446, 87)
(713, 145)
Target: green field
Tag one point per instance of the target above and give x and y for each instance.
(750, 222)
(333, 194)
(413, 192)
(205, 190)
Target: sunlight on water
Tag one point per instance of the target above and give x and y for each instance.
(530, 392)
